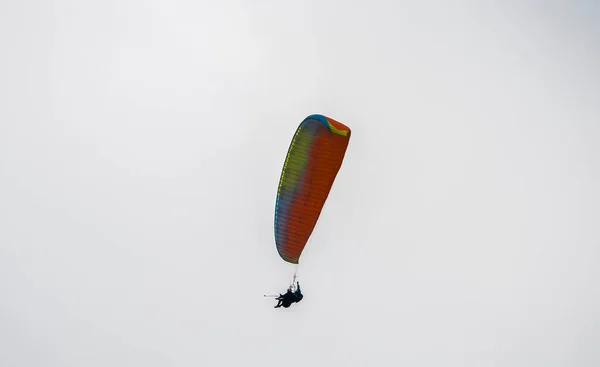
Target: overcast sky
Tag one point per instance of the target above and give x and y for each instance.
(141, 144)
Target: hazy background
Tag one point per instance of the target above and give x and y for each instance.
(141, 144)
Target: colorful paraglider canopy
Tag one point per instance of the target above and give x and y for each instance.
(313, 160)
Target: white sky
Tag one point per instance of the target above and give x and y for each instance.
(141, 144)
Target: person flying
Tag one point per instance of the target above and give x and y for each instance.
(289, 297)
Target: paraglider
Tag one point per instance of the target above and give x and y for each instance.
(312, 163)
(291, 296)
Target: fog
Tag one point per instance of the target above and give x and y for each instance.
(141, 144)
